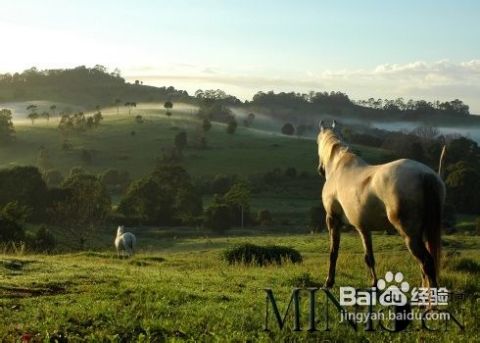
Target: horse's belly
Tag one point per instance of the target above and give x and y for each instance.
(370, 215)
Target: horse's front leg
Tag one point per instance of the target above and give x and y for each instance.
(334, 231)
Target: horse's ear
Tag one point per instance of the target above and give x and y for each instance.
(334, 123)
(320, 126)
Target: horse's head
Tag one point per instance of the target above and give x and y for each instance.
(120, 230)
(324, 131)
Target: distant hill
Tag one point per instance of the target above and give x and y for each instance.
(299, 107)
(89, 87)
(82, 86)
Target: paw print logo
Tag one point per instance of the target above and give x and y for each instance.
(393, 294)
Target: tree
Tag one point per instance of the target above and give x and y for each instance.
(33, 116)
(206, 124)
(232, 126)
(130, 105)
(81, 203)
(168, 105)
(43, 160)
(218, 217)
(463, 187)
(7, 131)
(53, 178)
(165, 197)
(11, 229)
(249, 120)
(288, 129)
(46, 115)
(97, 118)
(264, 217)
(26, 186)
(238, 198)
(181, 141)
(53, 108)
(117, 104)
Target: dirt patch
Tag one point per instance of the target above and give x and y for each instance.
(15, 265)
(26, 292)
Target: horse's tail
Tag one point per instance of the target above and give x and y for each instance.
(440, 162)
(432, 217)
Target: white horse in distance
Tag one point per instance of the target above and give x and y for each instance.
(125, 242)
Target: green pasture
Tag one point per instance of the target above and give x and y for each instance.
(178, 288)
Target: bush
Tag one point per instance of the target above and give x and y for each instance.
(218, 217)
(261, 255)
(477, 225)
(288, 129)
(264, 217)
(44, 240)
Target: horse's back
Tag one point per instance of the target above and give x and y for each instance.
(369, 195)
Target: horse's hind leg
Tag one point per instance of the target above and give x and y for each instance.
(417, 248)
(369, 259)
(334, 231)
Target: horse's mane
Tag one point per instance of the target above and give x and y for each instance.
(331, 148)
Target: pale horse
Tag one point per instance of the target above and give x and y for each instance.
(404, 195)
(125, 242)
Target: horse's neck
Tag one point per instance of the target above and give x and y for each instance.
(346, 160)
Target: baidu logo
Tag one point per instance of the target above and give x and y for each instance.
(393, 291)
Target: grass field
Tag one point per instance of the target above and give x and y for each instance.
(113, 146)
(179, 289)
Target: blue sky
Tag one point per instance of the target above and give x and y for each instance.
(418, 49)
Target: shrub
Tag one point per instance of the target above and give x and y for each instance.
(261, 255)
(218, 217)
(139, 119)
(231, 126)
(264, 217)
(288, 129)
(44, 240)
(477, 225)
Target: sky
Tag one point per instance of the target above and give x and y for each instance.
(382, 49)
